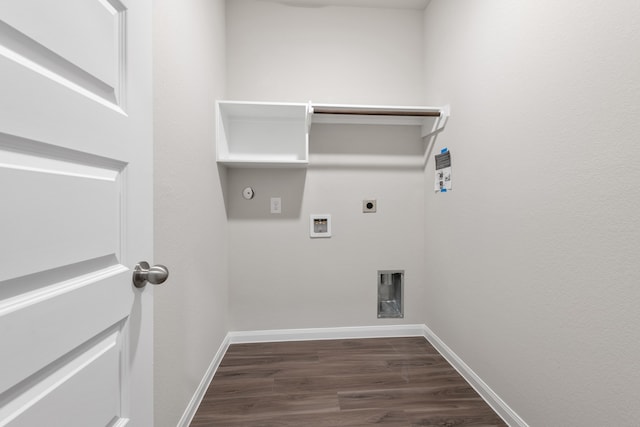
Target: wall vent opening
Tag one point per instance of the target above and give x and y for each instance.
(390, 294)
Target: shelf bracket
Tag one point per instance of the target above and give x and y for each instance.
(432, 126)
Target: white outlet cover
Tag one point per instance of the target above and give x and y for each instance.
(276, 205)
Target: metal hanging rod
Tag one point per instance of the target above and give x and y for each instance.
(372, 111)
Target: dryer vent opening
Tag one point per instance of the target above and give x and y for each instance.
(390, 294)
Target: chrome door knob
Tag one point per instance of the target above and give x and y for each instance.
(155, 275)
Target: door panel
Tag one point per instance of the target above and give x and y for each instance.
(59, 318)
(71, 213)
(81, 389)
(76, 215)
(48, 38)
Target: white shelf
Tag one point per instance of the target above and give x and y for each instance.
(254, 134)
(267, 134)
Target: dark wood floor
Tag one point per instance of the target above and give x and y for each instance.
(351, 382)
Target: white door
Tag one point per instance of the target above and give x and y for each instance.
(75, 212)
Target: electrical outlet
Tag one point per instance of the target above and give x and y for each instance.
(276, 205)
(369, 206)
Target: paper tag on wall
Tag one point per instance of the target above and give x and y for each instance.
(442, 181)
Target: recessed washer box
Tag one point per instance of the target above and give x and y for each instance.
(320, 225)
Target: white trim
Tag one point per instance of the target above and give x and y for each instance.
(193, 405)
(326, 333)
(497, 404)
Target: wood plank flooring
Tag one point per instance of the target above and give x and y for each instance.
(350, 382)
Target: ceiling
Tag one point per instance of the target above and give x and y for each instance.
(387, 4)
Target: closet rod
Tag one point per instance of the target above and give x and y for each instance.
(375, 112)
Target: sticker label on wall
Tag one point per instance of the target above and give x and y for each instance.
(442, 182)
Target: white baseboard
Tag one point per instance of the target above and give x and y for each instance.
(489, 396)
(193, 405)
(327, 333)
(420, 330)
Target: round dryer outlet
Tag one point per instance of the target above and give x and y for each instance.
(369, 206)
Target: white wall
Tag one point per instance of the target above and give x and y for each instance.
(325, 54)
(190, 219)
(279, 277)
(532, 260)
